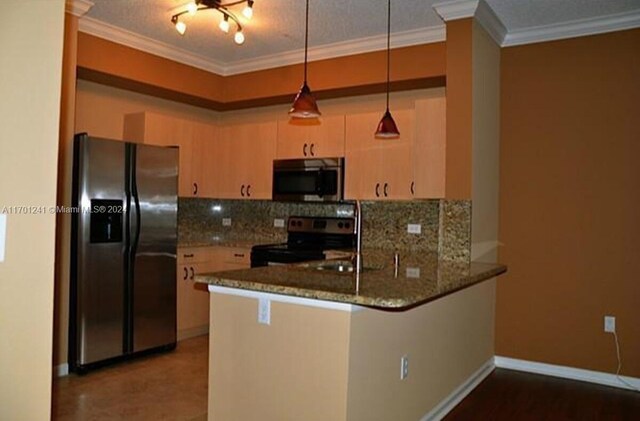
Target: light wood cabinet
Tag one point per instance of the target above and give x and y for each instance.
(312, 138)
(192, 138)
(429, 150)
(245, 161)
(379, 169)
(193, 297)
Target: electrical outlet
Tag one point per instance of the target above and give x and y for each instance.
(264, 311)
(278, 223)
(404, 367)
(413, 272)
(609, 324)
(414, 228)
(226, 222)
(3, 235)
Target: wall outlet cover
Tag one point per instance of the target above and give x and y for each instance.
(413, 272)
(414, 228)
(404, 367)
(609, 324)
(226, 222)
(278, 223)
(3, 235)
(264, 311)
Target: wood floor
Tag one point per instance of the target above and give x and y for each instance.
(512, 395)
(173, 386)
(169, 386)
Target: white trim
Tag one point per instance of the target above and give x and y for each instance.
(61, 370)
(490, 22)
(457, 9)
(447, 404)
(139, 42)
(339, 49)
(288, 299)
(564, 372)
(576, 28)
(78, 7)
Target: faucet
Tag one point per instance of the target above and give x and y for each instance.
(357, 258)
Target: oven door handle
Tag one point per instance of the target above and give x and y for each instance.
(320, 181)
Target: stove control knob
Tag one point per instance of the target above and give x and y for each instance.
(340, 225)
(347, 225)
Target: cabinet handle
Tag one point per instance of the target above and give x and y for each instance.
(193, 274)
(248, 190)
(304, 150)
(311, 149)
(195, 189)
(412, 186)
(186, 256)
(186, 274)
(377, 189)
(242, 191)
(238, 254)
(386, 186)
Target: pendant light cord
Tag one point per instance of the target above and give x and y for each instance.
(306, 42)
(388, 48)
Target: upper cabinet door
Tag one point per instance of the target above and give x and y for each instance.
(245, 160)
(204, 153)
(313, 138)
(378, 169)
(430, 148)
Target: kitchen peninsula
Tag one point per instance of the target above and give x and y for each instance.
(299, 342)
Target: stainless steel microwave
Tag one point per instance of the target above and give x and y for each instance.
(308, 180)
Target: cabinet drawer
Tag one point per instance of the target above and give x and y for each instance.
(237, 256)
(194, 255)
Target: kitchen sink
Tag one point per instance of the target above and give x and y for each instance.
(340, 266)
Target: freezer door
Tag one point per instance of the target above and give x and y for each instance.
(99, 281)
(155, 238)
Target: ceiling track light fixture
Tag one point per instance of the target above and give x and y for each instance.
(304, 105)
(199, 5)
(387, 128)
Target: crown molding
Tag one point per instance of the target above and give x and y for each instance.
(572, 29)
(457, 9)
(486, 17)
(78, 7)
(358, 46)
(340, 49)
(140, 42)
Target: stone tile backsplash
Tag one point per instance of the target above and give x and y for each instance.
(445, 224)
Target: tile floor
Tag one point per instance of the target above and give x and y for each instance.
(169, 386)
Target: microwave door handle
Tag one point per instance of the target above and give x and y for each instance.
(320, 183)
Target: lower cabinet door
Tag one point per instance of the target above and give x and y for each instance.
(193, 303)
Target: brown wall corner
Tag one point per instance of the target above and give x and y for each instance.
(459, 108)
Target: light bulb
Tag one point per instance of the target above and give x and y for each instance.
(248, 12)
(239, 37)
(224, 25)
(192, 8)
(181, 27)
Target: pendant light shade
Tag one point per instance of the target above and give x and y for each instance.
(387, 128)
(304, 105)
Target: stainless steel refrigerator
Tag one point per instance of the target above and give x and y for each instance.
(123, 251)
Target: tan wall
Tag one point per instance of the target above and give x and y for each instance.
(31, 44)
(485, 147)
(65, 168)
(294, 369)
(569, 201)
(447, 341)
(319, 364)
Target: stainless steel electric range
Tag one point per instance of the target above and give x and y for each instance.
(308, 238)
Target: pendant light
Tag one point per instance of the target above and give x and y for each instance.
(387, 128)
(304, 105)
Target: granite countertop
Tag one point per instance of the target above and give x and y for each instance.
(220, 241)
(421, 278)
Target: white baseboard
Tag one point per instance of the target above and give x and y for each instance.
(193, 332)
(61, 370)
(447, 404)
(597, 377)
